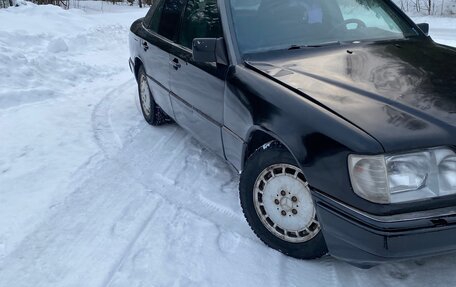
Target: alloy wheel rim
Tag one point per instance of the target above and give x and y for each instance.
(284, 204)
(144, 94)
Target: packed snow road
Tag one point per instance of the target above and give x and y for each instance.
(90, 195)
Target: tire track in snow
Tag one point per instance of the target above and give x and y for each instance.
(101, 111)
(179, 175)
(177, 165)
(105, 137)
(168, 227)
(129, 247)
(194, 165)
(76, 244)
(186, 172)
(220, 208)
(318, 272)
(108, 141)
(219, 214)
(82, 216)
(185, 238)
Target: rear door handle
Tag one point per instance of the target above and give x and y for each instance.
(175, 63)
(145, 46)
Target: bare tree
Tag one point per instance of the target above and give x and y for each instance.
(5, 3)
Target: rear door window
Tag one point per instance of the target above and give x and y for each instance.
(201, 20)
(152, 18)
(170, 18)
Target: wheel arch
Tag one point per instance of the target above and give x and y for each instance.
(259, 137)
(138, 63)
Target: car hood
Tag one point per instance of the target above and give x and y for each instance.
(403, 93)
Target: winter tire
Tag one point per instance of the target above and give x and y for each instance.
(278, 205)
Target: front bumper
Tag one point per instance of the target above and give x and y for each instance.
(366, 240)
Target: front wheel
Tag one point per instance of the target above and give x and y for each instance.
(278, 205)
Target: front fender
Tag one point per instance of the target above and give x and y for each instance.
(319, 140)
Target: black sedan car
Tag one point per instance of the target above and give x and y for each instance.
(340, 117)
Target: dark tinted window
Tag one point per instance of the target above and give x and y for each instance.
(148, 17)
(201, 20)
(170, 18)
(156, 15)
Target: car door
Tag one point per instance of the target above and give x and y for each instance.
(161, 25)
(197, 89)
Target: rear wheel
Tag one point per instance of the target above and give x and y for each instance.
(152, 113)
(278, 205)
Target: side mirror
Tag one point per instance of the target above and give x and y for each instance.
(424, 27)
(210, 50)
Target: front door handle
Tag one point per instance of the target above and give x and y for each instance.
(175, 63)
(145, 46)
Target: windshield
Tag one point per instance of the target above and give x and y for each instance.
(262, 25)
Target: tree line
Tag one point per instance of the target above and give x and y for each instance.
(419, 7)
(428, 7)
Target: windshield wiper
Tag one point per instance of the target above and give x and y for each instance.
(294, 47)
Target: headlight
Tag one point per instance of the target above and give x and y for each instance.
(404, 177)
(447, 174)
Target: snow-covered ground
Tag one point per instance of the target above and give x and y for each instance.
(90, 195)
